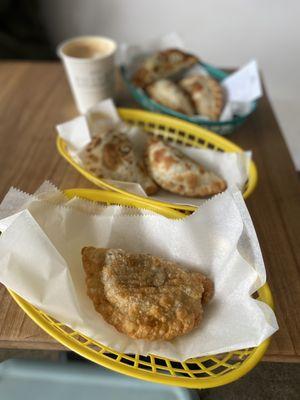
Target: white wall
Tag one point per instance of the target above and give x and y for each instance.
(224, 33)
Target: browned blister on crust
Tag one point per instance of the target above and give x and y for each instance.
(179, 174)
(111, 156)
(143, 296)
(171, 95)
(164, 64)
(206, 93)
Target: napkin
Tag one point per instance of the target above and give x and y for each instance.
(242, 87)
(218, 240)
(231, 166)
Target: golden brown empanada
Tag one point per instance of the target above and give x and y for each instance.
(179, 174)
(206, 93)
(164, 64)
(111, 156)
(170, 95)
(143, 296)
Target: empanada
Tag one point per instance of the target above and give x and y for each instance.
(164, 64)
(111, 156)
(143, 296)
(206, 93)
(179, 174)
(170, 95)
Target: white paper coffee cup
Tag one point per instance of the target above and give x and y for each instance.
(89, 63)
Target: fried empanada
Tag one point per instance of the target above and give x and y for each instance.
(111, 156)
(143, 296)
(206, 93)
(170, 95)
(164, 64)
(179, 174)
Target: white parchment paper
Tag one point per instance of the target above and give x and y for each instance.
(77, 133)
(40, 260)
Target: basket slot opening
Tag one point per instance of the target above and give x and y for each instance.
(193, 366)
(145, 359)
(220, 369)
(176, 365)
(113, 356)
(95, 347)
(160, 362)
(211, 146)
(233, 360)
(201, 374)
(244, 354)
(127, 361)
(145, 367)
(183, 374)
(163, 371)
(208, 363)
(201, 141)
(66, 329)
(81, 339)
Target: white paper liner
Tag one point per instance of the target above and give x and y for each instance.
(219, 240)
(16, 201)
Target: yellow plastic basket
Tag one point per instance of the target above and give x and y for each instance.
(202, 372)
(173, 130)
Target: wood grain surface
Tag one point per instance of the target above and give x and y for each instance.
(35, 96)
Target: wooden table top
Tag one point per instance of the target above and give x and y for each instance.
(34, 97)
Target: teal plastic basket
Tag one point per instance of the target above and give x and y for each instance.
(220, 127)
